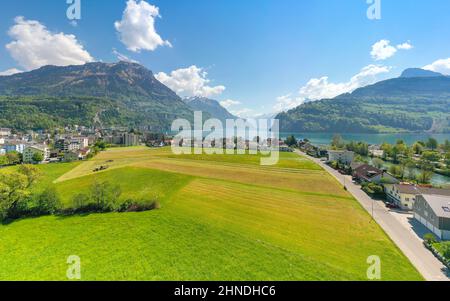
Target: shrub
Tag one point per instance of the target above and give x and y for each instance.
(47, 202)
(430, 238)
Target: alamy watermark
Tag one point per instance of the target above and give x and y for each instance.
(374, 270)
(374, 10)
(74, 267)
(73, 12)
(249, 136)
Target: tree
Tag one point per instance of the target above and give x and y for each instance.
(31, 172)
(13, 158)
(431, 156)
(432, 143)
(291, 141)
(337, 141)
(38, 157)
(446, 146)
(430, 238)
(426, 172)
(378, 163)
(387, 150)
(48, 202)
(104, 195)
(13, 192)
(417, 148)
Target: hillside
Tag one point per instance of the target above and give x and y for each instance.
(405, 104)
(210, 106)
(121, 93)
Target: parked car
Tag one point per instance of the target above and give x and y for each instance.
(392, 206)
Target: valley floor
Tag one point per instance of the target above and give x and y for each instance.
(221, 218)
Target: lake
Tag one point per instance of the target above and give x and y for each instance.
(409, 138)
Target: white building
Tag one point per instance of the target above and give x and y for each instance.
(5, 132)
(433, 211)
(33, 149)
(341, 156)
(404, 195)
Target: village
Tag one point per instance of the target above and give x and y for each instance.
(427, 204)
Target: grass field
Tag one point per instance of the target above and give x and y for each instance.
(221, 218)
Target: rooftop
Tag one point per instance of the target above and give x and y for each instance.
(439, 204)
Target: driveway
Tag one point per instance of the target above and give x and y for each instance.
(402, 230)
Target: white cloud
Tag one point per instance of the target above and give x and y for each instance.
(190, 82)
(33, 46)
(229, 103)
(441, 66)
(321, 88)
(405, 46)
(123, 57)
(11, 71)
(137, 27)
(383, 49)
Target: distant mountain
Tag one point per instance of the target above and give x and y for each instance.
(118, 94)
(210, 106)
(417, 72)
(405, 104)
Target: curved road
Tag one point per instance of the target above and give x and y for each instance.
(424, 261)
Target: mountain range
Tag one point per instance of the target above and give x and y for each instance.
(210, 106)
(417, 101)
(118, 94)
(128, 94)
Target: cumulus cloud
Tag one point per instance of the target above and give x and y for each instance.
(137, 28)
(122, 57)
(229, 103)
(405, 46)
(11, 71)
(190, 82)
(441, 66)
(322, 88)
(383, 49)
(34, 46)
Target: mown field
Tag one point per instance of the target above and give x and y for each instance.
(221, 218)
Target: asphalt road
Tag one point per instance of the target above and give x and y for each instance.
(424, 261)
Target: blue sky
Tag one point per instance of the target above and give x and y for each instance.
(259, 55)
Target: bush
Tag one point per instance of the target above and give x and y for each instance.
(133, 206)
(373, 189)
(430, 238)
(47, 202)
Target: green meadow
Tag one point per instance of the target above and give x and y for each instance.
(222, 217)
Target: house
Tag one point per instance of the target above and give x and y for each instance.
(341, 156)
(364, 173)
(433, 211)
(376, 151)
(5, 132)
(404, 195)
(30, 150)
(14, 146)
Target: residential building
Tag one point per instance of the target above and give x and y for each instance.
(404, 195)
(341, 156)
(14, 146)
(130, 139)
(376, 151)
(5, 132)
(30, 150)
(433, 211)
